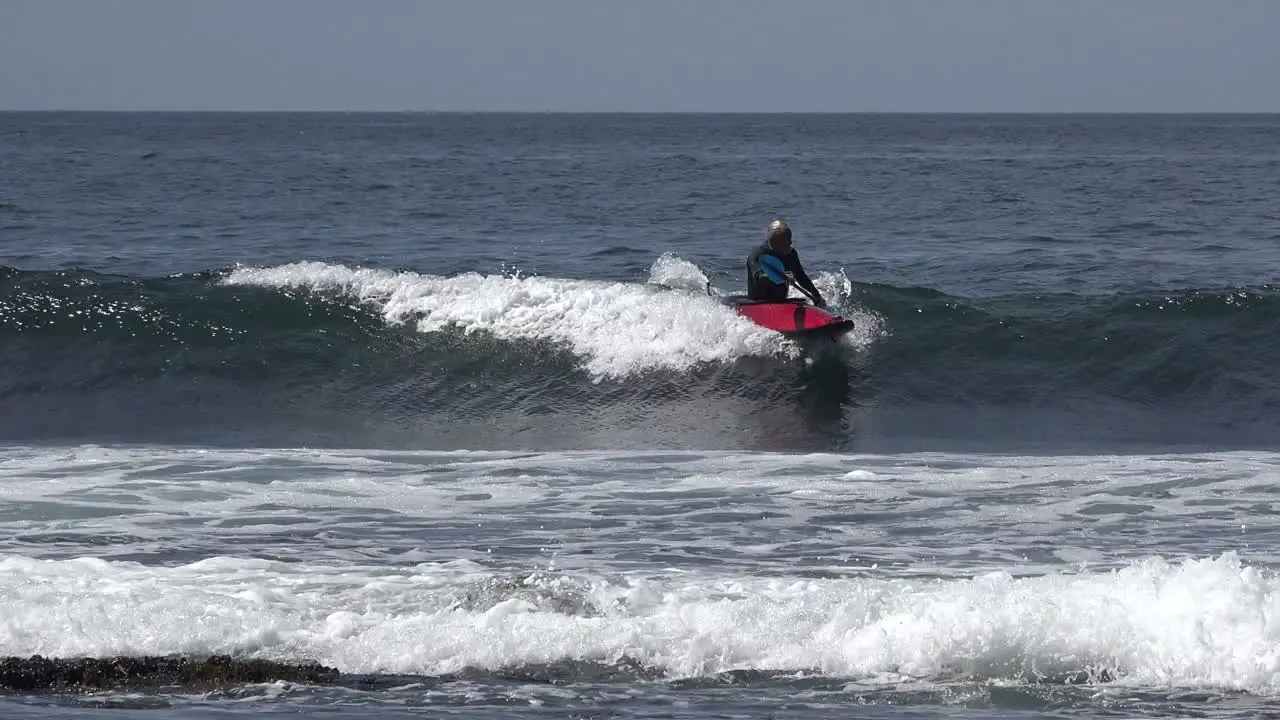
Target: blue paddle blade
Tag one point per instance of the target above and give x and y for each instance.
(774, 268)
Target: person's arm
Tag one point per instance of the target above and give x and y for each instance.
(754, 267)
(802, 278)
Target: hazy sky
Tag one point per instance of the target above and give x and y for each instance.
(642, 55)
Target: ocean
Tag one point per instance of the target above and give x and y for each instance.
(438, 414)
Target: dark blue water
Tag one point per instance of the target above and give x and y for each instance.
(1041, 279)
(1029, 286)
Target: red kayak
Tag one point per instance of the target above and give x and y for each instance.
(793, 318)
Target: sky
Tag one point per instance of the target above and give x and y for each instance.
(642, 55)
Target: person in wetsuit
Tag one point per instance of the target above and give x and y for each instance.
(777, 243)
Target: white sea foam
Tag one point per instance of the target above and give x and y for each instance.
(618, 328)
(673, 272)
(1196, 623)
(870, 567)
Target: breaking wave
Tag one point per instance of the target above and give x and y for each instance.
(329, 352)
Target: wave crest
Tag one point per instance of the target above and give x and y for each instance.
(619, 328)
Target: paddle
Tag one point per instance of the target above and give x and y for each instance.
(777, 272)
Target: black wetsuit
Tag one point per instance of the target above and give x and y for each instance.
(760, 287)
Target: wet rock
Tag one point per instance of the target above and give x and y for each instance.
(38, 674)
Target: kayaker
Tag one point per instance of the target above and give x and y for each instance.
(778, 243)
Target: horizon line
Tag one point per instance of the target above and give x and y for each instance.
(263, 111)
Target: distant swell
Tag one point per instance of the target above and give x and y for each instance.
(330, 354)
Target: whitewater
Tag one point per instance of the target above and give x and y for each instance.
(670, 322)
(885, 573)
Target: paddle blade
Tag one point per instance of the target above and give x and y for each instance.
(774, 268)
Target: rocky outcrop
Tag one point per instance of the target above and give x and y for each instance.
(38, 674)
